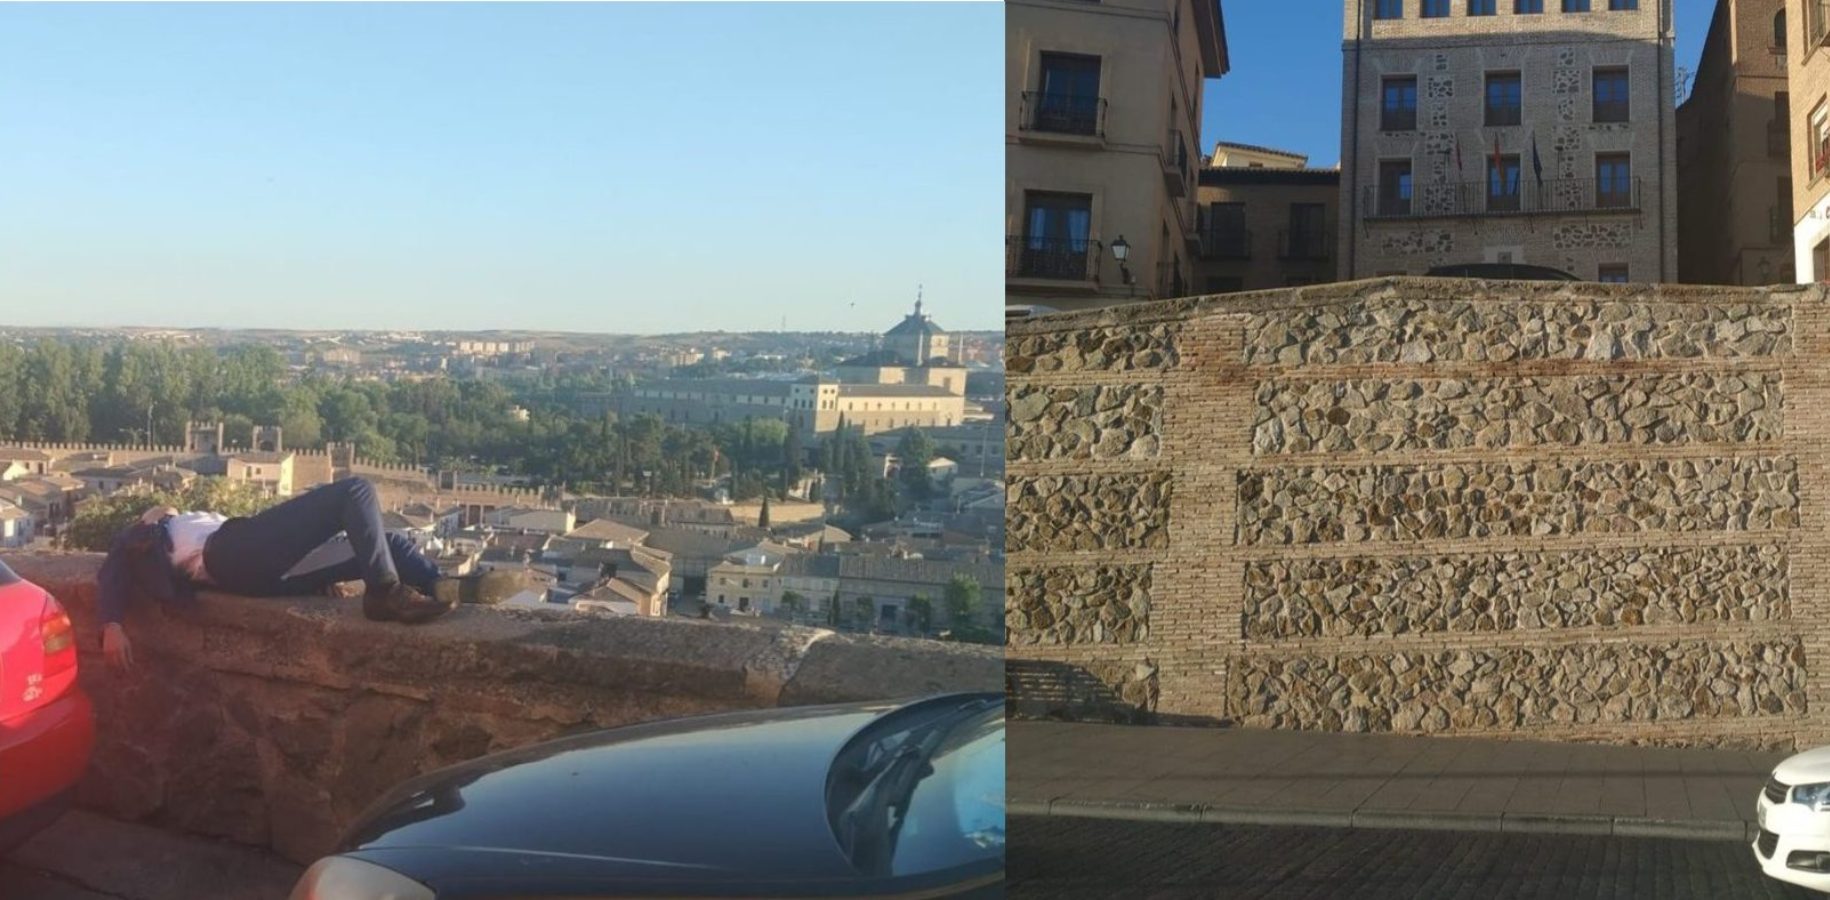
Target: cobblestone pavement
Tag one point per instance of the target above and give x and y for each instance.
(1060, 856)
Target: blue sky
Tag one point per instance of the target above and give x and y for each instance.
(1283, 63)
(629, 168)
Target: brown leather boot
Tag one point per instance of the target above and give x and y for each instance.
(400, 603)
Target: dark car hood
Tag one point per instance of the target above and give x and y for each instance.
(708, 799)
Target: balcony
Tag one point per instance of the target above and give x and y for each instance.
(1175, 164)
(1304, 244)
(1470, 198)
(1062, 114)
(1071, 261)
(1226, 243)
(1778, 139)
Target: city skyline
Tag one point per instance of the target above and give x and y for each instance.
(474, 168)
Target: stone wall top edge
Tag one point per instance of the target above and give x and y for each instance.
(71, 577)
(1403, 288)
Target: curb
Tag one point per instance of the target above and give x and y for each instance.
(1509, 823)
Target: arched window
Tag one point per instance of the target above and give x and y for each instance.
(1779, 31)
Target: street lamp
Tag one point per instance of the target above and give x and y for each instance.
(1121, 251)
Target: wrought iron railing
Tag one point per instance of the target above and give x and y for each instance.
(1473, 198)
(1304, 243)
(1226, 243)
(1061, 260)
(1063, 114)
(1175, 156)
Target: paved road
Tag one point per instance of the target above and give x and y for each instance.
(1060, 856)
(89, 857)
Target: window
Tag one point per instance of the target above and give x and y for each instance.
(1483, 7)
(1779, 31)
(1395, 188)
(1819, 140)
(1618, 5)
(1503, 98)
(1308, 236)
(1613, 273)
(1613, 180)
(1527, 7)
(1056, 237)
(1610, 95)
(1503, 184)
(1575, 5)
(1435, 9)
(1398, 105)
(1224, 236)
(1069, 100)
(1389, 9)
(1217, 284)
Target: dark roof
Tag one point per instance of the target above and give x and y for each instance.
(753, 386)
(895, 390)
(1224, 175)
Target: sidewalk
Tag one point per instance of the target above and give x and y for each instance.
(84, 856)
(1246, 776)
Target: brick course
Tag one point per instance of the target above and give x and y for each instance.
(1442, 579)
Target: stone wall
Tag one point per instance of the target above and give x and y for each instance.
(274, 722)
(1421, 505)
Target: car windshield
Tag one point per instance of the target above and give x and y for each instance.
(956, 815)
(925, 793)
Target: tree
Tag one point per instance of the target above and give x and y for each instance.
(762, 520)
(916, 450)
(922, 610)
(98, 520)
(864, 610)
(793, 604)
(791, 459)
(962, 600)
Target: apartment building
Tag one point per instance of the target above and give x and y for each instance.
(1102, 112)
(1265, 220)
(1735, 152)
(1528, 131)
(1808, 80)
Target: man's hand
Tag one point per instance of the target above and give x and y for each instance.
(116, 648)
(152, 516)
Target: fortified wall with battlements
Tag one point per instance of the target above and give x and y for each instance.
(1547, 510)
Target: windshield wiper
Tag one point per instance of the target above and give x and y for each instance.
(869, 825)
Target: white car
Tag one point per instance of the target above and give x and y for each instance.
(1794, 815)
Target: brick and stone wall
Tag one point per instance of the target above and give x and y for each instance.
(275, 722)
(1577, 511)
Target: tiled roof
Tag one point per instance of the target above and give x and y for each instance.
(607, 530)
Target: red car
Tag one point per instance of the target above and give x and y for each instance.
(46, 725)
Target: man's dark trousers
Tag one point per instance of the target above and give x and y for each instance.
(253, 555)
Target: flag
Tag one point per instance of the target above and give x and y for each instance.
(1496, 153)
(1537, 165)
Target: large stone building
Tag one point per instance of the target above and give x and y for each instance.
(1529, 131)
(1102, 113)
(1266, 220)
(908, 383)
(1808, 80)
(1734, 152)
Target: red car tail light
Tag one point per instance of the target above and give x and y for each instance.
(59, 638)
